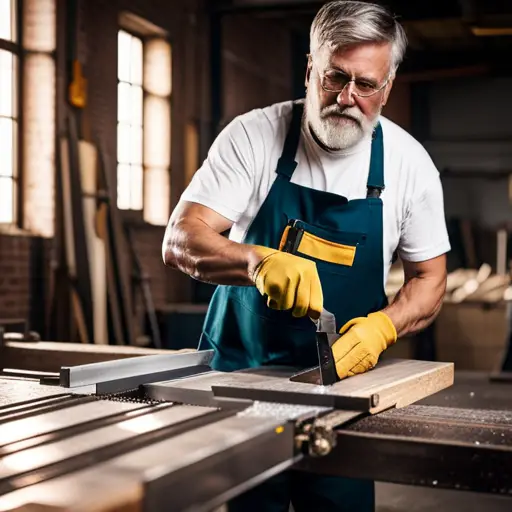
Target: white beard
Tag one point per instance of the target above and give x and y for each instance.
(335, 128)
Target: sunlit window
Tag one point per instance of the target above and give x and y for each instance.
(8, 111)
(144, 123)
(157, 131)
(129, 122)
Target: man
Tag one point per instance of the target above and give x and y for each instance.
(318, 197)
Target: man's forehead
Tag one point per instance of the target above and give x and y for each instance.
(363, 58)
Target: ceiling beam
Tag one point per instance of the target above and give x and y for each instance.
(267, 6)
(404, 9)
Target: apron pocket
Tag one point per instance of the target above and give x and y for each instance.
(333, 250)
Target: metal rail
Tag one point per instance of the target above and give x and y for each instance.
(112, 376)
(350, 403)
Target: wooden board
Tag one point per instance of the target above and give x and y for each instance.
(116, 247)
(95, 245)
(397, 383)
(47, 356)
(82, 276)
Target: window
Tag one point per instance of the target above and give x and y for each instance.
(129, 122)
(144, 122)
(8, 111)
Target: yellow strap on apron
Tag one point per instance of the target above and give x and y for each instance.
(321, 249)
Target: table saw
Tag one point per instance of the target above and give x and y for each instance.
(166, 432)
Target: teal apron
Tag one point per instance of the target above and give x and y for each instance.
(244, 332)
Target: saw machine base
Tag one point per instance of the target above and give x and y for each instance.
(140, 442)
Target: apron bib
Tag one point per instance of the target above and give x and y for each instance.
(343, 237)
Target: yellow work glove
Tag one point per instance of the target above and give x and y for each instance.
(289, 282)
(363, 340)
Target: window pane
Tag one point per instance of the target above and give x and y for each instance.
(136, 61)
(136, 145)
(137, 103)
(157, 132)
(123, 187)
(6, 147)
(157, 67)
(156, 196)
(123, 143)
(6, 200)
(123, 55)
(136, 188)
(6, 20)
(7, 97)
(123, 102)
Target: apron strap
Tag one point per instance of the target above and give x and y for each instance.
(286, 163)
(375, 184)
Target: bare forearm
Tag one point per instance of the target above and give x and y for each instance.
(417, 304)
(196, 249)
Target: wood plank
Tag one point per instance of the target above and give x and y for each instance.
(397, 383)
(47, 356)
(95, 245)
(117, 248)
(114, 308)
(82, 278)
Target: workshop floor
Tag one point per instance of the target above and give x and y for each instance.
(403, 498)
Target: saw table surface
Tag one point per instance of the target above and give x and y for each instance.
(13, 390)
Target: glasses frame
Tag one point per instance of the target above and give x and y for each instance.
(352, 80)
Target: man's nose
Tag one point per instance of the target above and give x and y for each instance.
(346, 95)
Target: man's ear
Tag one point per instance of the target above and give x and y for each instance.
(308, 71)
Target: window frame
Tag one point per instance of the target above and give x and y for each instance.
(146, 31)
(132, 213)
(14, 46)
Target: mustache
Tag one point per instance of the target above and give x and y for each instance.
(348, 113)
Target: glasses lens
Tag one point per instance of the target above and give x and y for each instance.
(364, 88)
(334, 81)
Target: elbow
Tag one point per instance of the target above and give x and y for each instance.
(168, 256)
(170, 246)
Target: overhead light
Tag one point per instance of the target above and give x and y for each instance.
(491, 31)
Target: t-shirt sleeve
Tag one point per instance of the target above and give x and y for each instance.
(423, 232)
(224, 182)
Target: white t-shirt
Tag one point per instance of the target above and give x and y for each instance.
(236, 177)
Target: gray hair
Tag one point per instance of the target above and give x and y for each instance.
(342, 23)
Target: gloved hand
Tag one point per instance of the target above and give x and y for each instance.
(289, 281)
(363, 340)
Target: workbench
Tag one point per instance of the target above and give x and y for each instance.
(458, 438)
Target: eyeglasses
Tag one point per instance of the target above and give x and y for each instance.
(333, 80)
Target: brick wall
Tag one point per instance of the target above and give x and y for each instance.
(14, 276)
(147, 242)
(256, 64)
